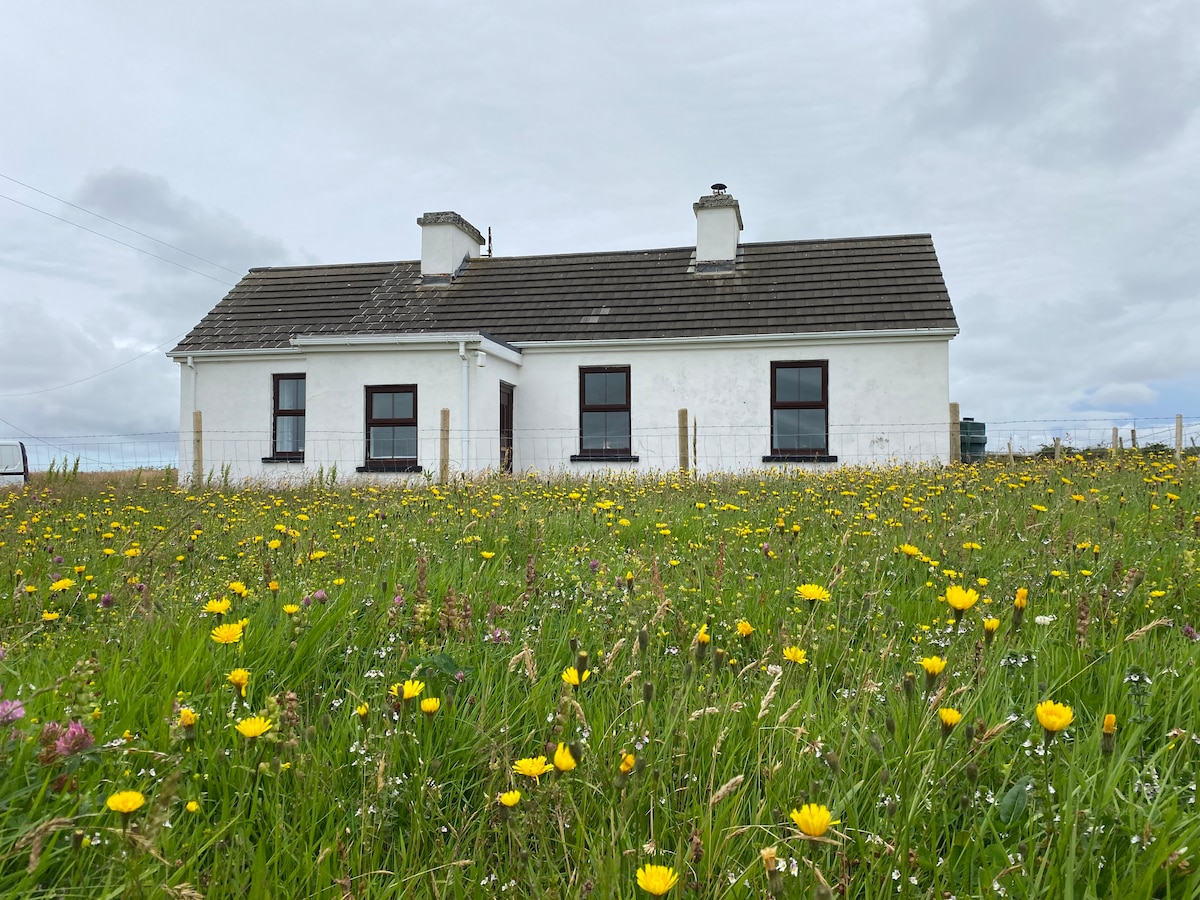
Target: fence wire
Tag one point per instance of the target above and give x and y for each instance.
(709, 447)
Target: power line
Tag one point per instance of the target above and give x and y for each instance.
(59, 387)
(109, 237)
(148, 237)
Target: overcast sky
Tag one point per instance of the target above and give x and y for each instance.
(1049, 146)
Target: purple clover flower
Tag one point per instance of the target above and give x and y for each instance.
(76, 739)
(11, 711)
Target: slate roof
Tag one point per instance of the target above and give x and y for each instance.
(854, 284)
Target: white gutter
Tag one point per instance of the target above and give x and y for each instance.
(383, 341)
(466, 402)
(810, 337)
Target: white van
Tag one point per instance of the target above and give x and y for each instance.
(14, 464)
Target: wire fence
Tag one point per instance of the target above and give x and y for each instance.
(709, 448)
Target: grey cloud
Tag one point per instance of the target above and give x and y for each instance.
(149, 204)
(1062, 83)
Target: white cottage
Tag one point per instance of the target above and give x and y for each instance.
(811, 352)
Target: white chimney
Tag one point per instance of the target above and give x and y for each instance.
(447, 239)
(718, 224)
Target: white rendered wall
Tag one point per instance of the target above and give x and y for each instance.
(888, 402)
(235, 399)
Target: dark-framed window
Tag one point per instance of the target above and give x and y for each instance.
(800, 411)
(287, 418)
(604, 414)
(391, 413)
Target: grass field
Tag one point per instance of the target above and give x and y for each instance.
(964, 682)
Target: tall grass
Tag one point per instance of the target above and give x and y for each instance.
(695, 737)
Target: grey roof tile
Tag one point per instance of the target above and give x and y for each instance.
(849, 284)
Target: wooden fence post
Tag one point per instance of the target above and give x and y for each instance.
(682, 420)
(1010, 456)
(1115, 441)
(1057, 449)
(1178, 438)
(695, 459)
(197, 447)
(955, 434)
(1133, 438)
(444, 449)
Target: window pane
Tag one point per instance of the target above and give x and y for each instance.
(392, 405)
(799, 429)
(594, 388)
(291, 393)
(798, 384)
(393, 442)
(604, 389)
(289, 434)
(605, 431)
(616, 388)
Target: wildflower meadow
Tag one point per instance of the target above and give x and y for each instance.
(973, 681)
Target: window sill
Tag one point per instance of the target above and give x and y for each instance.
(799, 458)
(273, 460)
(603, 457)
(390, 467)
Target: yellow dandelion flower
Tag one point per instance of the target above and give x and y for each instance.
(1054, 717)
(291, 608)
(228, 633)
(745, 629)
(1022, 598)
(909, 550)
(961, 599)
(571, 676)
(187, 717)
(796, 655)
(656, 880)
(254, 727)
(564, 760)
(933, 665)
(431, 705)
(812, 819)
(532, 767)
(239, 678)
(628, 762)
(510, 798)
(1110, 724)
(406, 691)
(217, 607)
(48, 616)
(812, 592)
(63, 584)
(193, 806)
(702, 636)
(126, 802)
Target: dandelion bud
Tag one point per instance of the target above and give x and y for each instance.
(834, 762)
(909, 684)
(969, 732)
(77, 839)
(581, 661)
(576, 749)
(885, 775)
(972, 773)
(647, 692)
(574, 642)
(822, 892)
(964, 801)
(1108, 735)
(890, 807)
(890, 724)
(687, 672)
(719, 657)
(875, 743)
(643, 640)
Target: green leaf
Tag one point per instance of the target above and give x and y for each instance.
(1012, 804)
